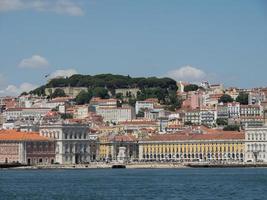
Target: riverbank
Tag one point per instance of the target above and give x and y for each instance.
(107, 166)
(232, 165)
(145, 166)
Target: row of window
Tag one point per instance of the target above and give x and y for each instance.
(75, 136)
(194, 156)
(256, 147)
(82, 148)
(192, 149)
(256, 136)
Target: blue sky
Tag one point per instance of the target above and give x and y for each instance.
(193, 40)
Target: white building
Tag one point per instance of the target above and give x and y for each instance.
(251, 110)
(98, 102)
(114, 114)
(233, 109)
(256, 144)
(208, 117)
(256, 97)
(81, 112)
(8, 125)
(193, 117)
(25, 113)
(143, 105)
(73, 142)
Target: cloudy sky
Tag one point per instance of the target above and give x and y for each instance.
(220, 41)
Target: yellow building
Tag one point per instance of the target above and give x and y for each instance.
(215, 146)
(108, 147)
(105, 148)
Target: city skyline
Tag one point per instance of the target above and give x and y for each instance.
(186, 40)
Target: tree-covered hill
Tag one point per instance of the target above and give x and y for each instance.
(104, 85)
(109, 81)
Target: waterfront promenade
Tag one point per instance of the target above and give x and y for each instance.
(146, 165)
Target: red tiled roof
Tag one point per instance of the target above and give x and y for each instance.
(222, 135)
(138, 122)
(124, 138)
(21, 136)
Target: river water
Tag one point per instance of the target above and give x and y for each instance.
(213, 184)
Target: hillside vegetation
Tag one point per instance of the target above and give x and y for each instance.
(152, 87)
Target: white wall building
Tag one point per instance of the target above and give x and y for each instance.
(22, 113)
(256, 144)
(233, 110)
(208, 117)
(73, 144)
(81, 112)
(143, 105)
(113, 114)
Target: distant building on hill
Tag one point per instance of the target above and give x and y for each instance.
(116, 114)
(69, 91)
(146, 104)
(127, 92)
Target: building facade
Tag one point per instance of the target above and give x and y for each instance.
(73, 142)
(143, 105)
(116, 114)
(26, 148)
(109, 147)
(192, 117)
(256, 144)
(217, 147)
(69, 91)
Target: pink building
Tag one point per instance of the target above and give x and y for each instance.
(26, 148)
(193, 101)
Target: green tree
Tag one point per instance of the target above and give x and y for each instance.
(83, 97)
(191, 87)
(174, 102)
(141, 113)
(226, 98)
(132, 102)
(188, 123)
(232, 128)
(23, 93)
(242, 98)
(40, 91)
(221, 122)
(58, 93)
(119, 96)
(100, 92)
(66, 116)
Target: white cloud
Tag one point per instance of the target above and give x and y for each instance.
(62, 73)
(188, 73)
(13, 90)
(8, 5)
(34, 62)
(67, 7)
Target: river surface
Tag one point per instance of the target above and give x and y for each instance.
(213, 184)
